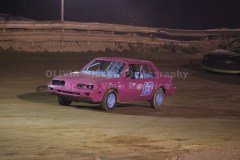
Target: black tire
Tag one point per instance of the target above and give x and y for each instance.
(105, 105)
(154, 103)
(63, 101)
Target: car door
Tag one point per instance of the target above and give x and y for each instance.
(140, 86)
(147, 80)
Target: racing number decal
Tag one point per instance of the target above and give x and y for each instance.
(147, 88)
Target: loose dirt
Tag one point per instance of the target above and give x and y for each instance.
(200, 121)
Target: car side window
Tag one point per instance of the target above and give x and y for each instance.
(138, 71)
(133, 71)
(146, 71)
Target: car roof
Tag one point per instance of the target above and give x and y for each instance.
(125, 60)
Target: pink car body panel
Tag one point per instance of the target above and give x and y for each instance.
(128, 90)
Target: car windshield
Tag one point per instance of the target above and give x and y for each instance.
(233, 46)
(104, 68)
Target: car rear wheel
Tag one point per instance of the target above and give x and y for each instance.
(63, 101)
(109, 100)
(158, 99)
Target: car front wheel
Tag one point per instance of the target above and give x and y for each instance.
(109, 100)
(158, 99)
(63, 101)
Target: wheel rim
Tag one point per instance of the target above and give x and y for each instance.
(111, 100)
(159, 98)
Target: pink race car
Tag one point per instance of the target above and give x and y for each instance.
(110, 80)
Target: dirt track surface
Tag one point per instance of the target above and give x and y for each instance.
(201, 120)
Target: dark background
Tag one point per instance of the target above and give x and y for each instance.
(187, 14)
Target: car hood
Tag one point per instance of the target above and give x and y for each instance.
(223, 53)
(80, 77)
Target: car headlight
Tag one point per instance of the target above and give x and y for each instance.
(83, 86)
(58, 82)
(80, 86)
(205, 58)
(228, 62)
(90, 87)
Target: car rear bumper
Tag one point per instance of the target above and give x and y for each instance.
(220, 70)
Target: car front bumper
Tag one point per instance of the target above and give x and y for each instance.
(90, 96)
(220, 70)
